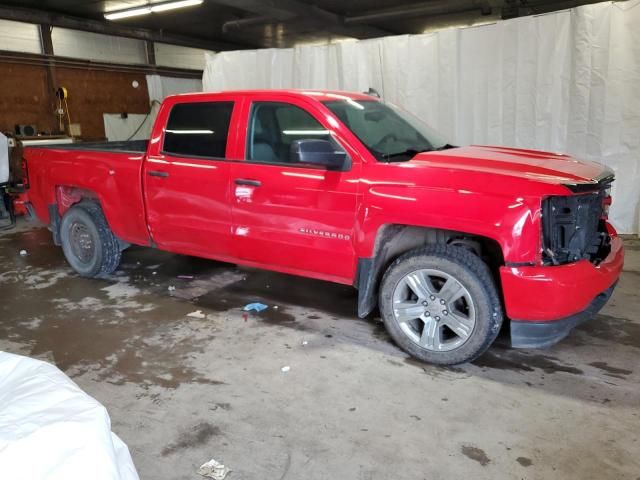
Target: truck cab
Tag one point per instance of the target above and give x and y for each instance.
(447, 242)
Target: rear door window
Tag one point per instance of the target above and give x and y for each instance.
(198, 129)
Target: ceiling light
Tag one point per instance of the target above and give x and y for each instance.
(153, 8)
(163, 7)
(134, 12)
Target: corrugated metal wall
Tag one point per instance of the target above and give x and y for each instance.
(19, 37)
(95, 46)
(179, 57)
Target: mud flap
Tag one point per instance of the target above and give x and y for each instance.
(366, 286)
(7, 216)
(54, 223)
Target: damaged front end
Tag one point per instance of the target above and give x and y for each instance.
(574, 226)
(582, 258)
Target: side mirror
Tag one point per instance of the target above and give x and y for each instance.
(318, 152)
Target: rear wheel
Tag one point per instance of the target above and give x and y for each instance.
(440, 304)
(88, 244)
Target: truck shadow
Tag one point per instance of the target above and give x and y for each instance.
(573, 368)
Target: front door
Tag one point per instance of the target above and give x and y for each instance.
(289, 216)
(186, 179)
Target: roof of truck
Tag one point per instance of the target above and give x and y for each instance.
(335, 94)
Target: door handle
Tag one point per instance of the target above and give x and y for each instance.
(246, 181)
(158, 173)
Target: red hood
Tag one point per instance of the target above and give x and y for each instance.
(546, 167)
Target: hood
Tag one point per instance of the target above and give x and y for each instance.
(547, 167)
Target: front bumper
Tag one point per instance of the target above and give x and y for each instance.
(548, 293)
(544, 334)
(545, 302)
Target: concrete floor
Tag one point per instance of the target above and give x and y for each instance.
(181, 390)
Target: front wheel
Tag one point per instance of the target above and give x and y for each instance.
(440, 304)
(88, 244)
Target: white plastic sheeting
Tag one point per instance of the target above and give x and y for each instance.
(51, 429)
(138, 126)
(160, 87)
(567, 81)
(4, 159)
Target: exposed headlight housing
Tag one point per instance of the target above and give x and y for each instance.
(573, 226)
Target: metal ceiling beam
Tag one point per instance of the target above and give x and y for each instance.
(67, 62)
(249, 22)
(67, 21)
(47, 50)
(520, 8)
(422, 9)
(286, 10)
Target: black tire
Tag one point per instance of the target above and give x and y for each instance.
(472, 274)
(88, 244)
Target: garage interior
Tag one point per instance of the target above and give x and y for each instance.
(306, 388)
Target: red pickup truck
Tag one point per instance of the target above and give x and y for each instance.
(446, 241)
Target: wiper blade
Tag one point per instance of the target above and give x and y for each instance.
(446, 146)
(410, 152)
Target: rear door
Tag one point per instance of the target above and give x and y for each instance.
(186, 177)
(289, 216)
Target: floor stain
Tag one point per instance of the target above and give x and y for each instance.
(436, 370)
(609, 369)
(111, 329)
(607, 327)
(524, 461)
(380, 331)
(278, 288)
(199, 434)
(476, 454)
(519, 361)
(222, 300)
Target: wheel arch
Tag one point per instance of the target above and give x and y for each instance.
(68, 196)
(393, 240)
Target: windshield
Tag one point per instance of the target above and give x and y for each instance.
(390, 134)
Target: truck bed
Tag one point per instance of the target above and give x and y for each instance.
(108, 171)
(132, 146)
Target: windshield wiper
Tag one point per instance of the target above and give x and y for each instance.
(446, 146)
(409, 152)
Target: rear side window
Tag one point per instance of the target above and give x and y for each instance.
(198, 129)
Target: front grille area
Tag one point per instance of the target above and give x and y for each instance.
(574, 228)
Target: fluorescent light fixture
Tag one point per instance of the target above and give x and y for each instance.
(134, 12)
(191, 132)
(305, 132)
(163, 7)
(151, 8)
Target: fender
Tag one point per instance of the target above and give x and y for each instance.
(395, 240)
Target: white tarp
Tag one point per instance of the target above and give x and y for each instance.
(50, 429)
(160, 87)
(4, 159)
(138, 126)
(568, 81)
